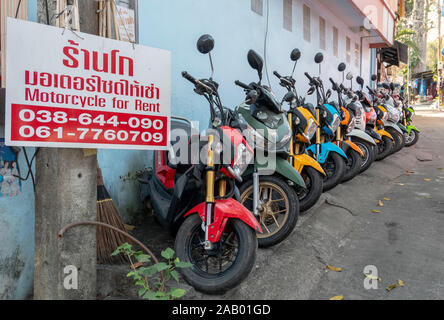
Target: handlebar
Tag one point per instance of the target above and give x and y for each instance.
(189, 77)
(277, 74)
(242, 85)
(197, 83)
(308, 76)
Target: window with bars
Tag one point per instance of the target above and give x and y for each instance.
(307, 22)
(322, 35)
(288, 15)
(348, 50)
(357, 55)
(257, 6)
(335, 42)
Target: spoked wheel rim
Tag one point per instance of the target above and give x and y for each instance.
(382, 146)
(302, 193)
(275, 206)
(366, 153)
(409, 138)
(215, 262)
(329, 168)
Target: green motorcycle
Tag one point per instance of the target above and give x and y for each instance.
(269, 187)
(412, 134)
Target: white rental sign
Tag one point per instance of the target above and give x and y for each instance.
(83, 91)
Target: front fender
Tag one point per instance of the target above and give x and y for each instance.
(281, 166)
(304, 160)
(384, 133)
(286, 170)
(346, 144)
(362, 135)
(411, 128)
(388, 124)
(326, 148)
(225, 209)
(402, 127)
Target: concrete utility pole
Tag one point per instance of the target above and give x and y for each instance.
(440, 71)
(66, 192)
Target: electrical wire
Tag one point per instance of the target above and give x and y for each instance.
(265, 43)
(18, 9)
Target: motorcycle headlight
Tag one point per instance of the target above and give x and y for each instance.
(244, 157)
(311, 129)
(394, 115)
(285, 140)
(335, 124)
(351, 125)
(254, 138)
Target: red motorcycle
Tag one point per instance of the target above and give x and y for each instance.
(213, 231)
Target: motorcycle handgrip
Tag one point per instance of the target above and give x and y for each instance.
(333, 83)
(242, 85)
(277, 74)
(187, 76)
(308, 76)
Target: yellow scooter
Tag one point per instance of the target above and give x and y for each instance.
(303, 126)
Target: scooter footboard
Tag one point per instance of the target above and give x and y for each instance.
(225, 209)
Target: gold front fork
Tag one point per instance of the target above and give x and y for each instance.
(210, 171)
(339, 135)
(405, 119)
(318, 130)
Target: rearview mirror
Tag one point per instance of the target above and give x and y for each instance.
(360, 81)
(374, 77)
(205, 44)
(319, 58)
(295, 55)
(349, 76)
(256, 62)
(341, 67)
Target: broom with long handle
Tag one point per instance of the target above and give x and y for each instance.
(108, 240)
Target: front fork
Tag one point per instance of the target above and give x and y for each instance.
(210, 181)
(318, 134)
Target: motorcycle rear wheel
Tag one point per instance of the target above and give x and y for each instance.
(280, 208)
(334, 167)
(353, 165)
(238, 241)
(385, 148)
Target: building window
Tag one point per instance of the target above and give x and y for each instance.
(322, 40)
(348, 50)
(357, 55)
(288, 15)
(335, 42)
(257, 6)
(307, 29)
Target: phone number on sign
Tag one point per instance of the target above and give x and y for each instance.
(35, 123)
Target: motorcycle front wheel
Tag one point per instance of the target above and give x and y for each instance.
(385, 148)
(399, 140)
(369, 154)
(226, 265)
(314, 180)
(279, 208)
(353, 165)
(412, 138)
(334, 167)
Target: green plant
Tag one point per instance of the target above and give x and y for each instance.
(152, 285)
